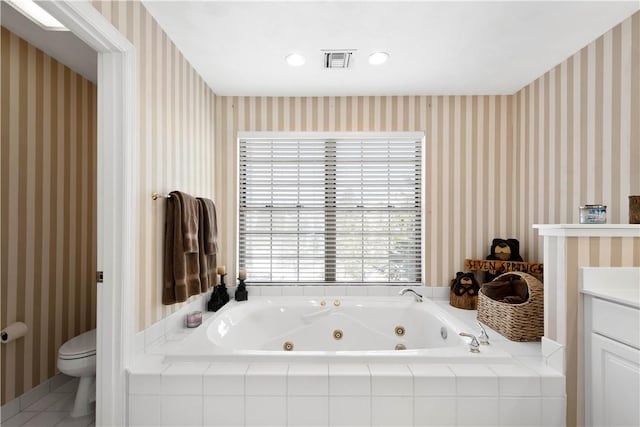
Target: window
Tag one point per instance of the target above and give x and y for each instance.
(339, 210)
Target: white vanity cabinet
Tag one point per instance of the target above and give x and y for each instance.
(612, 346)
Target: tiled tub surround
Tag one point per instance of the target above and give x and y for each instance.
(523, 391)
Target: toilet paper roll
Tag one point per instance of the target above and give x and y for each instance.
(13, 332)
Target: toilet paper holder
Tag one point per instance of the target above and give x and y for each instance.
(13, 332)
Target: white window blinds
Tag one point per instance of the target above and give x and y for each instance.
(330, 211)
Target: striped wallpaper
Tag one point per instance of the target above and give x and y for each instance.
(48, 210)
(469, 185)
(175, 142)
(577, 138)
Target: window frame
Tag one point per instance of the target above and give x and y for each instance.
(275, 135)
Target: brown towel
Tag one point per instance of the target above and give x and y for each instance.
(207, 235)
(190, 222)
(209, 224)
(181, 275)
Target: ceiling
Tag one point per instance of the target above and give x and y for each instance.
(446, 47)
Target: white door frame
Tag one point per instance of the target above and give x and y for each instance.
(115, 191)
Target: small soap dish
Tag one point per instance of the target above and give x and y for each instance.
(194, 319)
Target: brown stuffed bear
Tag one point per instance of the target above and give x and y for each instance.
(464, 291)
(503, 250)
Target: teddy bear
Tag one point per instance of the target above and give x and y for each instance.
(503, 250)
(464, 291)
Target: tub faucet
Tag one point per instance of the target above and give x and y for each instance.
(417, 296)
(483, 338)
(474, 345)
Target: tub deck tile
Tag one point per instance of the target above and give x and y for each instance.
(433, 380)
(223, 411)
(520, 411)
(266, 379)
(349, 411)
(349, 380)
(477, 411)
(308, 379)
(391, 380)
(552, 382)
(266, 411)
(515, 380)
(181, 411)
(391, 411)
(225, 379)
(554, 412)
(475, 380)
(308, 411)
(183, 379)
(434, 411)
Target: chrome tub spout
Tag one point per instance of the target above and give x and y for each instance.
(416, 295)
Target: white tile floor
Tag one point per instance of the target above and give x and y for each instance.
(52, 410)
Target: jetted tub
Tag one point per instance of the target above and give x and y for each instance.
(330, 329)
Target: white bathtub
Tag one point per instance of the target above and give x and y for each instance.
(370, 329)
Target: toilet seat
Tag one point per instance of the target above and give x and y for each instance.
(80, 347)
(77, 356)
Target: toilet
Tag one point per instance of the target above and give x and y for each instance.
(77, 358)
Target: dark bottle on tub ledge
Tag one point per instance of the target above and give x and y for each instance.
(219, 296)
(241, 291)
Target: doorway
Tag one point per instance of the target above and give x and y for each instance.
(115, 190)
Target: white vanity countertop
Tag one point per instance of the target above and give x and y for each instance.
(617, 284)
(588, 230)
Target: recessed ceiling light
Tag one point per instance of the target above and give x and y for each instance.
(37, 14)
(378, 58)
(295, 59)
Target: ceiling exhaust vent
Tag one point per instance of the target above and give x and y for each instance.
(336, 58)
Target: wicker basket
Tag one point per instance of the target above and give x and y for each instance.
(517, 322)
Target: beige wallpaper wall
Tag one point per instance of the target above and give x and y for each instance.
(469, 184)
(577, 138)
(175, 144)
(48, 210)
